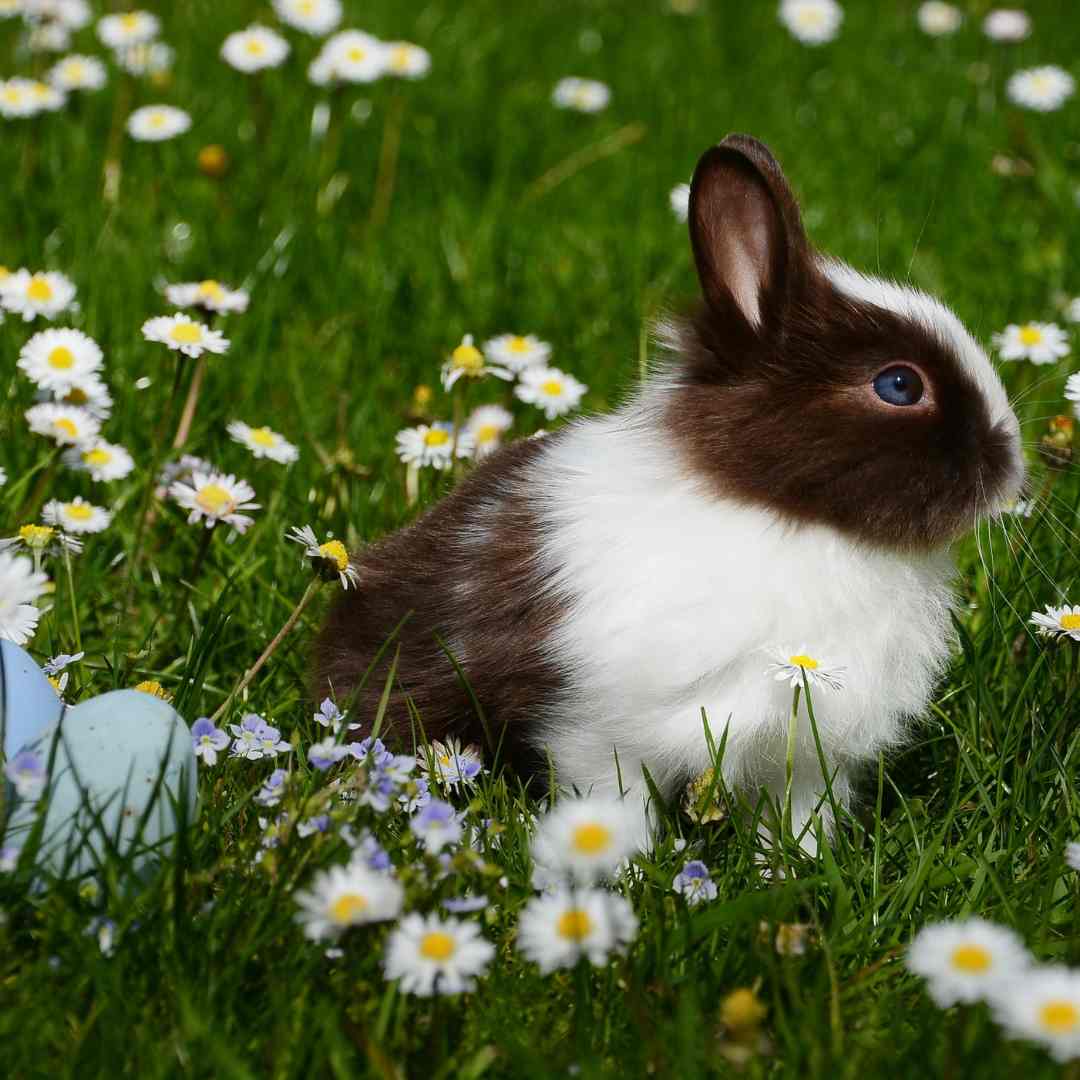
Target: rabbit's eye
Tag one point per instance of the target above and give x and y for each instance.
(899, 385)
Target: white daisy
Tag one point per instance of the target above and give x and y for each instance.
(57, 360)
(487, 425)
(1043, 1006)
(1041, 343)
(1072, 856)
(20, 586)
(966, 960)
(185, 334)
(790, 664)
(42, 540)
(102, 460)
(432, 445)
(17, 98)
(550, 389)
(1072, 390)
(1043, 88)
(330, 559)
(581, 95)
(44, 293)
(517, 352)
(131, 28)
(354, 57)
(254, 49)
(208, 294)
(156, 123)
(406, 60)
(467, 362)
(813, 22)
(78, 73)
(67, 425)
(556, 929)
(451, 763)
(45, 37)
(215, 497)
(74, 14)
(1072, 310)
(1007, 24)
(430, 955)
(149, 58)
(315, 17)
(938, 19)
(679, 198)
(263, 442)
(345, 896)
(90, 393)
(587, 838)
(77, 516)
(1058, 622)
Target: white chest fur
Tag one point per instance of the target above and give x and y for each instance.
(674, 599)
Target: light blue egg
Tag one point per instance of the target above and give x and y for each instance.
(120, 758)
(28, 703)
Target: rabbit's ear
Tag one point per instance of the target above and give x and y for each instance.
(746, 232)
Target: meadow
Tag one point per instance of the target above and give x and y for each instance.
(374, 224)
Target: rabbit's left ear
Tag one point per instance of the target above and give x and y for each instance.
(746, 233)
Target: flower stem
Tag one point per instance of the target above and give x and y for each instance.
(184, 427)
(76, 632)
(789, 771)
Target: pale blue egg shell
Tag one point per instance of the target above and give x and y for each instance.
(112, 747)
(30, 704)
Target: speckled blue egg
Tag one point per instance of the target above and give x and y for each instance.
(28, 703)
(128, 756)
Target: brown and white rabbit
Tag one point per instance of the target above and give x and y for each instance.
(792, 476)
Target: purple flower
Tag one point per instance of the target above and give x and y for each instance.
(320, 823)
(26, 771)
(436, 826)
(370, 748)
(694, 884)
(326, 753)
(254, 738)
(367, 851)
(208, 740)
(416, 794)
(271, 793)
(9, 857)
(58, 663)
(464, 904)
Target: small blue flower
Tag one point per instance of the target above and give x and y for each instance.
(26, 771)
(58, 663)
(208, 740)
(464, 904)
(694, 884)
(271, 793)
(436, 826)
(320, 823)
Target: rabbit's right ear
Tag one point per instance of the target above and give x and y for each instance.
(746, 232)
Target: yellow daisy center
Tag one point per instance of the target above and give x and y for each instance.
(1059, 1016)
(12, 95)
(552, 387)
(971, 959)
(803, 661)
(74, 69)
(67, 427)
(210, 289)
(307, 7)
(399, 57)
(157, 120)
(335, 551)
(36, 536)
(811, 18)
(519, 344)
(215, 499)
(467, 357)
(4, 273)
(254, 47)
(154, 689)
(574, 924)
(76, 396)
(437, 946)
(130, 21)
(97, 456)
(263, 436)
(40, 90)
(347, 907)
(39, 289)
(436, 437)
(356, 54)
(487, 433)
(79, 511)
(1070, 622)
(592, 838)
(54, 682)
(61, 358)
(1030, 335)
(186, 333)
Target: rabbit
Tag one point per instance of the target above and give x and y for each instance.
(791, 474)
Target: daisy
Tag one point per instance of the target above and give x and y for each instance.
(679, 198)
(789, 667)
(587, 837)
(208, 294)
(263, 442)
(345, 896)
(68, 425)
(516, 352)
(17, 99)
(693, 883)
(42, 540)
(215, 497)
(185, 334)
(78, 73)
(48, 37)
(555, 930)
(91, 394)
(436, 826)
(1043, 1006)
(102, 460)
(406, 60)
(131, 28)
(59, 359)
(550, 389)
(208, 741)
(430, 955)
(813, 22)
(150, 58)
(581, 95)
(315, 17)
(1041, 343)
(1058, 622)
(74, 14)
(156, 123)
(939, 19)
(486, 426)
(44, 293)
(254, 49)
(1043, 88)
(432, 445)
(966, 960)
(467, 361)
(20, 586)
(77, 516)
(451, 763)
(354, 57)
(1072, 390)
(328, 560)
(1007, 24)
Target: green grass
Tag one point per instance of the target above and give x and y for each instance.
(889, 137)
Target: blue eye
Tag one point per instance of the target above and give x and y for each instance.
(899, 385)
